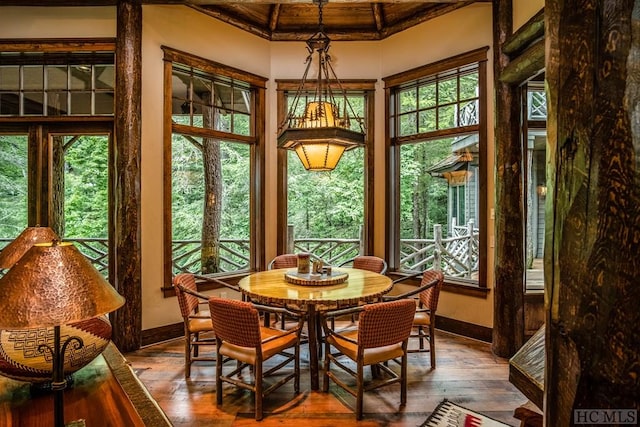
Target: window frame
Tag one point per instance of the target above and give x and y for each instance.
(366, 87)
(256, 141)
(393, 143)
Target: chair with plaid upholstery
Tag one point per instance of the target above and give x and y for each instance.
(428, 294)
(240, 336)
(382, 335)
(367, 262)
(283, 261)
(364, 262)
(197, 320)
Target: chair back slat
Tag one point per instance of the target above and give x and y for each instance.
(284, 261)
(187, 302)
(385, 323)
(371, 263)
(429, 297)
(236, 322)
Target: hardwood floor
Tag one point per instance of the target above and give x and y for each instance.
(467, 373)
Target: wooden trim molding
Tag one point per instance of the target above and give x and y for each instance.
(465, 329)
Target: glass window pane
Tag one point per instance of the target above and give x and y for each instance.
(469, 86)
(86, 187)
(13, 186)
(9, 77)
(469, 113)
(33, 77)
(181, 119)
(56, 77)
(427, 96)
(105, 76)
(57, 103)
(447, 117)
(189, 210)
(202, 91)
(434, 184)
(180, 84)
(80, 78)
(242, 124)
(80, 103)
(9, 103)
(33, 103)
(427, 120)
(241, 100)
(407, 124)
(104, 102)
(447, 90)
(222, 120)
(407, 99)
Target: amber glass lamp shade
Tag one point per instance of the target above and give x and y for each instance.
(323, 133)
(21, 244)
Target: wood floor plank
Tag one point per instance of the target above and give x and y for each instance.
(467, 373)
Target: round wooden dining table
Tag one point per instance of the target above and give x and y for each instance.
(272, 287)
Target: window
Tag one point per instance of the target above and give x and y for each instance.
(214, 143)
(56, 130)
(534, 107)
(39, 84)
(328, 213)
(437, 140)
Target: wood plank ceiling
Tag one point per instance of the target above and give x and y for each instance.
(297, 20)
(343, 20)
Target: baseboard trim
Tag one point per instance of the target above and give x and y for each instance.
(466, 329)
(162, 333)
(458, 327)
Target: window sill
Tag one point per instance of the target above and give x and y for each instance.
(455, 287)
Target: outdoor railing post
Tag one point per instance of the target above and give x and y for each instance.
(361, 239)
(290, 239)
(437, 236)
(470, 247)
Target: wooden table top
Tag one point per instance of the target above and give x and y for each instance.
(270, 286)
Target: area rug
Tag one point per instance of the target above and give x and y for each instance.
(449, 414)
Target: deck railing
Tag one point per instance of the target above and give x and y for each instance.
(456, 255)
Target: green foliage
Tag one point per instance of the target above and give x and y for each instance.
(423, 198)
(86, 178)
(188, 189)
(13, 185)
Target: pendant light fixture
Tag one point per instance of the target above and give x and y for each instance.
(327, 126)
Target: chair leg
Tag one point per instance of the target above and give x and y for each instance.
(187, 354)
(327, 367)
(296, 369)
(432, 345)
(359, 391)
(258, 389)
(403, 380)
(218, 375)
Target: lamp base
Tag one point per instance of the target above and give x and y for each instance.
(20, 359)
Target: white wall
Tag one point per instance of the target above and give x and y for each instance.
(184, 29)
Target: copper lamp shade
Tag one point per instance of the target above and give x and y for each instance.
(52, 285)
(21, 244)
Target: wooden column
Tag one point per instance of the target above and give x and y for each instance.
(592, 259)
(127, 321)
(508, 316)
